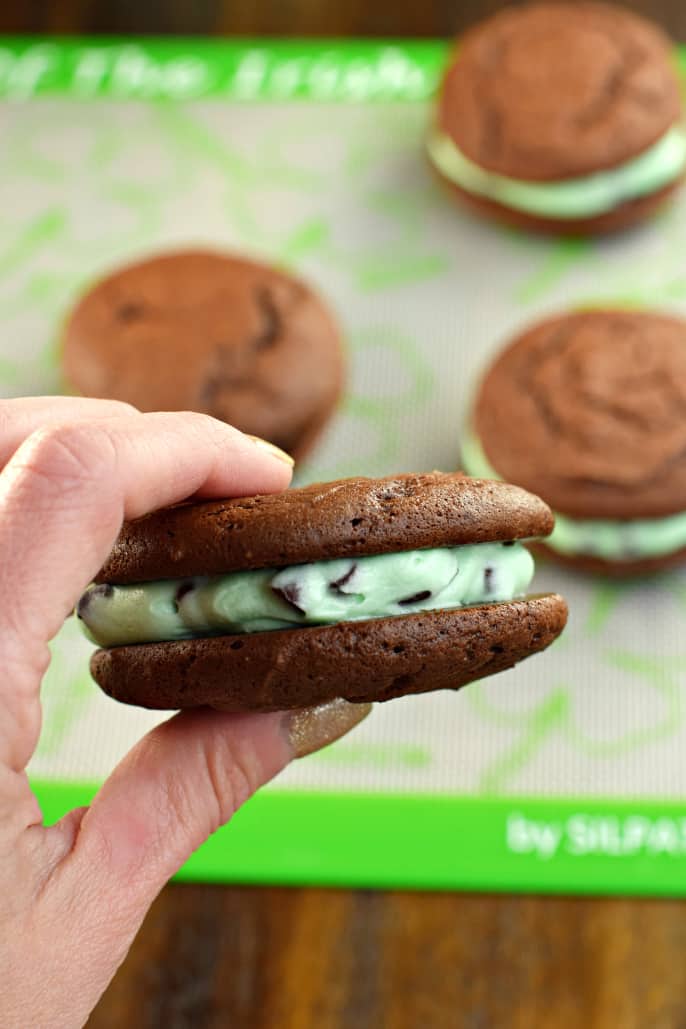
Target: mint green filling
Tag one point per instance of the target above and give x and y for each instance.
(320, 593)
(612, 540)
(581, 197)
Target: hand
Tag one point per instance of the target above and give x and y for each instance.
(72, 896)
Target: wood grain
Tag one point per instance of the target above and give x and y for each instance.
(213, 957)
(277, 17)
(216, 957)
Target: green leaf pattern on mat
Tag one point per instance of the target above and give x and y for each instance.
(67, 688)
(424, 295)
(379, 414)
(559, 257)
(566, 713)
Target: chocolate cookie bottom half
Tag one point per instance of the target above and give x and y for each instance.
(373, 660)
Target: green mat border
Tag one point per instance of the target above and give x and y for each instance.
(240, 69)
(436, 842)
(187, 68)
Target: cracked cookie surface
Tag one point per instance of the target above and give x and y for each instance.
(210, 332)
(553, 91)
(589, 410)
(345, 518)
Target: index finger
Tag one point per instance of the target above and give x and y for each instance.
(20, 416)
(63, 496)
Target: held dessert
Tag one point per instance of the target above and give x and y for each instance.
(365, 589)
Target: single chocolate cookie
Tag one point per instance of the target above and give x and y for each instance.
(589, 410)
(210, 332)
(361, 589)
(349, 518)
(563, 117)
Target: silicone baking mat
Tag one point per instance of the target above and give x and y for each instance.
(567, 773)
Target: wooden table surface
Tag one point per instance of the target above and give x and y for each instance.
(216, 958)
(248, 958)
(278, 17)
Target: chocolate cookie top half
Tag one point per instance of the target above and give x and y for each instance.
(552, 90)
(350, 517)
(589, 410)
(209, 332)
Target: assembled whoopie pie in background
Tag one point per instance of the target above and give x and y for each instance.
(212, 332)
(588, 409)
(365, 589)
(561, 117)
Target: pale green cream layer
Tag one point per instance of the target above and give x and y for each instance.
(320, 593)
(581, 197)
(605, 538)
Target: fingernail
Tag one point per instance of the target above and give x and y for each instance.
(272, 449)
(315, 727)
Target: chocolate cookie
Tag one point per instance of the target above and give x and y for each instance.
(361, 589)
(588, 409)
(562, 117)
(348, 518)
(210, 332)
